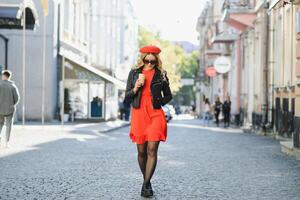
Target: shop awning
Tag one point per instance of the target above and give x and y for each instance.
(239, 19)
(120, 84)
(11, 16)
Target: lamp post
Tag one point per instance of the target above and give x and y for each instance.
(6, 49)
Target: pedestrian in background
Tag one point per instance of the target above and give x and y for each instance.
(121, 107)
(226, 111)
(217, 108)
(126, 105)
(9, 98)
(145, 86)
(207, 110)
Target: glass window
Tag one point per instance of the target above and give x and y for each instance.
(298, 22)
(77, 91)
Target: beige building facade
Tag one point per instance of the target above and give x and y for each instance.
(262, 39)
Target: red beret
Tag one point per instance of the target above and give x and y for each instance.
(150, 49)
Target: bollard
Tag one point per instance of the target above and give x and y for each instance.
(296, 138)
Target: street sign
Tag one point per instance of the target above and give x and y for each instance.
(211, 72)
(222, 64)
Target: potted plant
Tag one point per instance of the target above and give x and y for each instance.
(67, 106)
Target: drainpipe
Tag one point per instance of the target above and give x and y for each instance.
(265, 68)
(238, 78)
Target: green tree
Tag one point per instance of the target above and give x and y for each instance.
(189, 65)
(188, 68)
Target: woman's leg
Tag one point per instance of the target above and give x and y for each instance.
(208, 116)
(227, 119)
(152, 149)
(142, 157)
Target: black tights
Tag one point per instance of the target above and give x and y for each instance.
(147, 157)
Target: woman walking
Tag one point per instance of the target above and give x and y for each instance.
(207, 111)
(218, 106)
(145, 86)
(226, 111)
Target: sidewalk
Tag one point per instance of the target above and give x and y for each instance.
(288, 148)
(28, 137)
(106, 126)
(191, 122)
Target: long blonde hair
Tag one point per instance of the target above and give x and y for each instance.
(140, 62)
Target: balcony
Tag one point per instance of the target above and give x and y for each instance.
(238, 14)
(224, 37)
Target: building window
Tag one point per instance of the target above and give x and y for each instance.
(298, 22)
(74, 18)
(85, 32)
(66, 15)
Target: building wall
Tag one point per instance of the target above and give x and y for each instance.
(113, 35)
(106, 37)
(94, 32)
(33, 76)
(283, 64)
(232, 86)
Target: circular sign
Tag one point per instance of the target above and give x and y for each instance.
(211, 72)
(222, 65)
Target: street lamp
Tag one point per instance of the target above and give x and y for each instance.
(6, 49)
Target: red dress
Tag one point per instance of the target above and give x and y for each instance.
(147, 124)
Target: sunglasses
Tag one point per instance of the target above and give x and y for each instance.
(152, 62)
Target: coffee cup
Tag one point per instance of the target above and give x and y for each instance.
(142, 78)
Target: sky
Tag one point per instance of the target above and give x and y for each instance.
(175, 19)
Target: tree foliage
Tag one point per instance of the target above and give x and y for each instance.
(188, 67)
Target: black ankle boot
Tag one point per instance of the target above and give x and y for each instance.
(147, 190)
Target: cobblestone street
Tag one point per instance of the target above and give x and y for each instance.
(196, 162)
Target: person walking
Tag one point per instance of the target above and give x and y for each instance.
(148, 90)
(126, 105)
(9, 98)
(121, 107)
(226, 111)
(207, 109)
(217, 108)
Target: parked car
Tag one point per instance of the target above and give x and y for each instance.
(172, 110)
(168, 111)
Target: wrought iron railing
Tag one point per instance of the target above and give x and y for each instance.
(256, 120)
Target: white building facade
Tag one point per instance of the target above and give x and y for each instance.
(87, 40)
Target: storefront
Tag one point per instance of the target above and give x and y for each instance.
(89, 94)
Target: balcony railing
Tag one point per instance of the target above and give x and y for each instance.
(284, 118)
(236, 4)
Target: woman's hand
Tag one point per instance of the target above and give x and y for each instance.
(137, 85)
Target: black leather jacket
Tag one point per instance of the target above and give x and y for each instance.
(159, 85)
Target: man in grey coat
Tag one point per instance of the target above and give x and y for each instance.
(9, 98)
